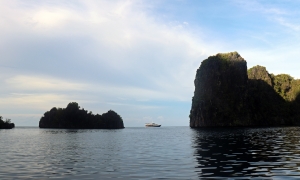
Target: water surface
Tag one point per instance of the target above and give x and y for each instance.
(150, 153)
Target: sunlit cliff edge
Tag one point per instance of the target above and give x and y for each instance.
(227, 94)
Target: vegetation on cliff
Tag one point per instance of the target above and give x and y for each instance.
(220, 91)
(227, 94)
(72, 117)
(276, 96)
(6, 124)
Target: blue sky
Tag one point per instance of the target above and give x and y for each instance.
(136, 57)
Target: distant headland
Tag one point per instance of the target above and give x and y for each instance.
(6, 124)
(227, 94)
(72, 117)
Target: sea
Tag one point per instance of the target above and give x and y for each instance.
(150, 153)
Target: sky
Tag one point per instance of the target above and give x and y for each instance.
(136, 57)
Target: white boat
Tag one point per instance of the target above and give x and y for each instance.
(152, 125)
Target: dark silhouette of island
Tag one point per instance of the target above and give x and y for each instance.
(72, 117)
(227, 94)
(6, 124)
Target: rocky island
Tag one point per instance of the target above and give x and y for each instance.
(227, 94)
(6, 124)
(72, 117)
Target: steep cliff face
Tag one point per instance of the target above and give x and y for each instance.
(273, 98)
(266, 106)
(220, 91)
(261, 73)
(226, 94)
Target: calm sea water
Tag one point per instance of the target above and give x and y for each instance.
(150, 153)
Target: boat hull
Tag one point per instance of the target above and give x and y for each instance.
(153, 125)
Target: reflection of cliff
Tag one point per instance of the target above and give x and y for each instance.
(73, 117)
(259, 152)
(226, 94)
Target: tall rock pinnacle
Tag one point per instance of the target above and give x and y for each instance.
(220, 91)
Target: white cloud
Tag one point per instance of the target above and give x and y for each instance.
(285, 23)
(106, 52)
(274, 12)
(28, 103)
(45, 18)
(23, 82)
(264, 8)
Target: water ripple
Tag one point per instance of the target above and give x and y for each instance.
(248, 152)
(150, 153)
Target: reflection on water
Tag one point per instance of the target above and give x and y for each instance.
(248, 152)
(131, 153)
(150, 153)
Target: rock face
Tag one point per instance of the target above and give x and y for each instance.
(226, 94)
(73, 117)
(266, 106)
(220, 91)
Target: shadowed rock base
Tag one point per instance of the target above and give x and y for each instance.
(226, 94)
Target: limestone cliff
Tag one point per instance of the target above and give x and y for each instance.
(220, 91)
(266, 106)
(226, 94)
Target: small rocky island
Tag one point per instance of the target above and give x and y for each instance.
(6, 124)
(72, 117)
(227, 94)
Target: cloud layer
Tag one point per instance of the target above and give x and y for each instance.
(138, 58)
